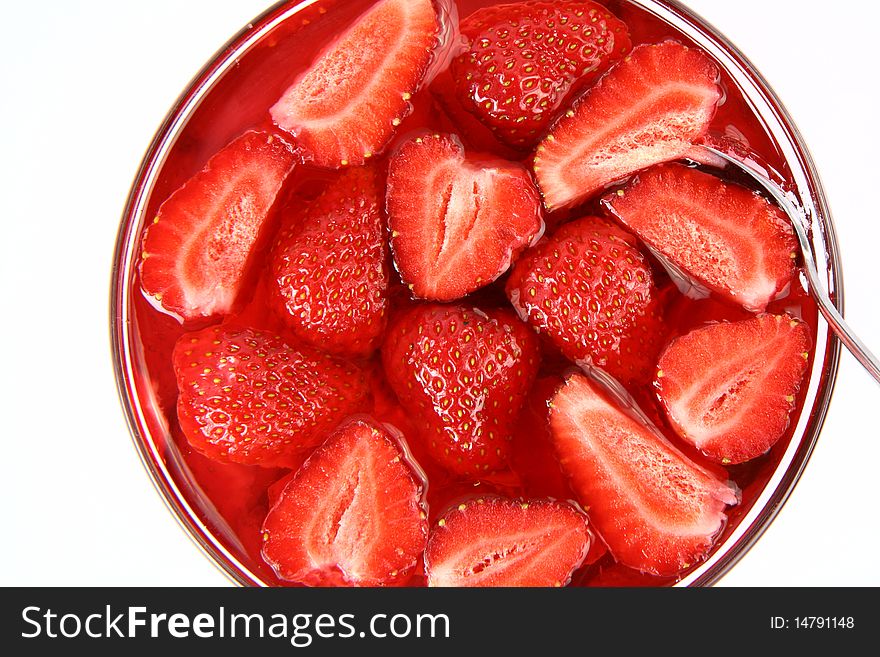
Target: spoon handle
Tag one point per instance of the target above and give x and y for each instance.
(817, 289)
(850, 340)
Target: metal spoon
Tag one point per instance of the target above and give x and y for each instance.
(841, 329)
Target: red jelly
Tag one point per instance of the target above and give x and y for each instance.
(230, 500)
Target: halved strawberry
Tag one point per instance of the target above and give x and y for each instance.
(495, 541)
(353, 515)
(525, 59)
(463, 374)
(249, 397)
(729, 388)
(197, 251)
(656, 510)
(723, 235)
(649, 108)
(456, 223)
(591, 291)
(347, 105)
(329, 266)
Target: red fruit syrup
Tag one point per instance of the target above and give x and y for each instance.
(231, 499)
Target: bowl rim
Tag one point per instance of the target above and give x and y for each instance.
(809, 193)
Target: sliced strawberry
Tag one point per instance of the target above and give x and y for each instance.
(723, 235)
(591, 291)
(496, 541)
(456, 223)
(249, 397)
(353, 515)
(657, 511)
(649, 108)
(525, 59)
(330, 268)
(346, 106)
(463, 374)
(729, 388)
(197, 251)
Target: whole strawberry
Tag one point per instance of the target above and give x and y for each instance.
(525, 59)
(464, 375)
(248, 397)
(591, 291)
(330, 267)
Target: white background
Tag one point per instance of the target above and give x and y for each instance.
(85, 84)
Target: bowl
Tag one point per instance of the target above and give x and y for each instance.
(231, 92)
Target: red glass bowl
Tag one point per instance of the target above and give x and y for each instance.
(150, 429)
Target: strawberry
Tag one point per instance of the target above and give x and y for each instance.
(495, 541)
(729, 388)
(456, 223)
(345, 108)
(248, 397)
(463, 374)
(590, 290)
(526, 59)
(452, 117)
(649, 108)
(725, 236)
(197, 251)
(329, 265)
(656, 510)
(352, 515)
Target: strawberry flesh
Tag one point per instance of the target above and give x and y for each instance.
(463, 375)
(729, 388)
(249, 397)
(197, 252)
(330, 266)
(352, 515)
(456, 223)
(525, 59)
(657, 511)
(722, 235)
(591, 291)
(496, 541)
(647, 109)
(345, 108)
